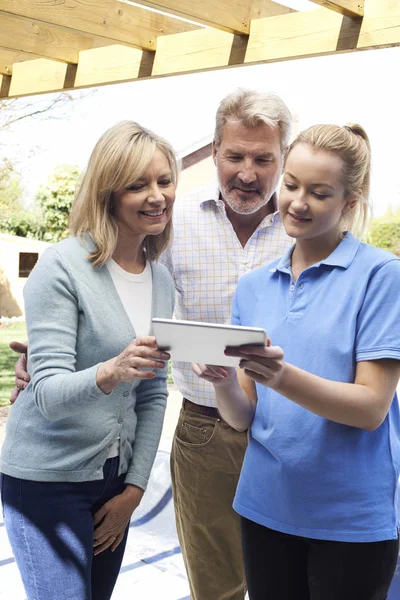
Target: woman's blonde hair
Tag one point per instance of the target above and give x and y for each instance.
(250, 108)
(351, 144)
(119, 158)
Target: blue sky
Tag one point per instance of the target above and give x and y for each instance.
(359, 87)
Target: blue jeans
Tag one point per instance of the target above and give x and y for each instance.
(50, 527)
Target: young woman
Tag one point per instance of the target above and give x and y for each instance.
(81, 440)
(318, 489)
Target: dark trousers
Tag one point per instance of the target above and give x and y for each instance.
(288, 567)
(50, 527)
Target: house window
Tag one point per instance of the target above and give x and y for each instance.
(27, 260)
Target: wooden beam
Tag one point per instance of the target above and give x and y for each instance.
(5, 81)
(348, 8)
(192, 51)
(114, 63)
(299, 34)
(323, 31)
(283, 37)
(48, 41)
(39, 76)
(111, 19)
(9, 57)
(233, 16)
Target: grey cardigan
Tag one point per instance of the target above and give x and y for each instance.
(62, 425)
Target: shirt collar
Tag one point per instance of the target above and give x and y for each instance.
(342, 256)
(210, 194)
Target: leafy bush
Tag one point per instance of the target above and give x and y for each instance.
(22, 226)
(385, 233)
(55, 201)
(49, 219)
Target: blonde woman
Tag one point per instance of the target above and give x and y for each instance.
(317, 492)
(81, 441)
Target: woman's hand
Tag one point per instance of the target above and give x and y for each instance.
(236, 400)
(213, 373)
(142, 353)
(111, 520)
(263, 364)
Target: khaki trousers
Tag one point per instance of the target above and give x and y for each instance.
(206, 459)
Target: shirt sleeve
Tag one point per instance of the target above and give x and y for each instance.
(378, 323)
(52, 312)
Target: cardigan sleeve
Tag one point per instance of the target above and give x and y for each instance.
(52, 312)
(166, 259)
(151, 399)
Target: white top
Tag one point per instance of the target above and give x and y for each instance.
(135, 292)
(206, 261)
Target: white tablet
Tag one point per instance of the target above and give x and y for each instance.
(194, 341)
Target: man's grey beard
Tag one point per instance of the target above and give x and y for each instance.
(246, 208)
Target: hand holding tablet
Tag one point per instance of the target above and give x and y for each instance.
(194, 341)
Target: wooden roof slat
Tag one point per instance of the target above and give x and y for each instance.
(113, 63)
(301, 34)
(38, 76)
(233, 16)
(112, 19)
(324, 31)
(348, 8)
(192, 51)
(45, 40)
(9, 57)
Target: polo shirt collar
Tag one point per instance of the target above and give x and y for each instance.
(342, 256)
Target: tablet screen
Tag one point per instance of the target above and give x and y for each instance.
(194, 341)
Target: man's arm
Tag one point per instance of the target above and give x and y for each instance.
(21, 375)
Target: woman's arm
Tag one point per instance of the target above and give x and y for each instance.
(52, 315)
(364, 403)
(235, 394)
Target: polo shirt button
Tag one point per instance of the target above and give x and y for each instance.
(291, 288)
(125, 394)
(120, 421)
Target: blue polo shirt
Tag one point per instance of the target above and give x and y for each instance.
(303, 474)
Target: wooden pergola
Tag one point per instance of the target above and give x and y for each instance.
(55, 45)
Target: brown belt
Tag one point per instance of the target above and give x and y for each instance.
(208, 411)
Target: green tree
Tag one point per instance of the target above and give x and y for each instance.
(54, 199)
(10, 190)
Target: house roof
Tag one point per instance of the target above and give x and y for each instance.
(197, 151)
